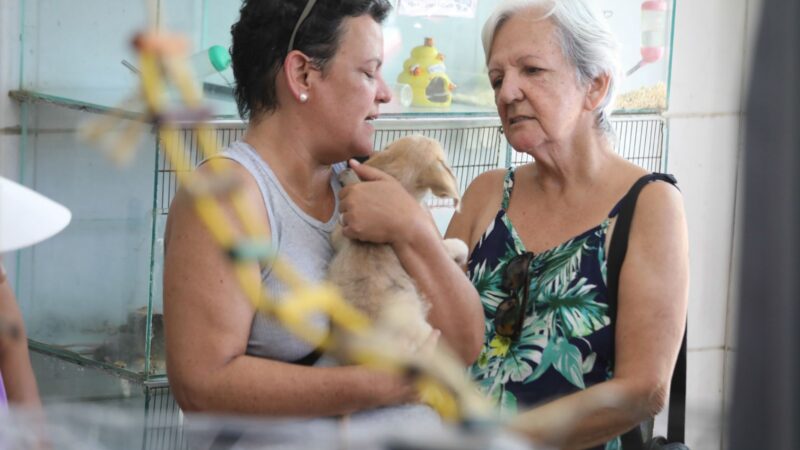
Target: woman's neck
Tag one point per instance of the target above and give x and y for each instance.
(286, 147)
(580, 162)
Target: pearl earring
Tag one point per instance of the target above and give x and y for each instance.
(303, 97)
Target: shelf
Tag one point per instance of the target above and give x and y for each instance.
(83, 361)
(108, 101)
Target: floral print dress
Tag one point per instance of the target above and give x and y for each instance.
(566, 338)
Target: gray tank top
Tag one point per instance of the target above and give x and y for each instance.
(302, 241)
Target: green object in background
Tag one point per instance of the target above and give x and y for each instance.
(219, 57)
(209, 61)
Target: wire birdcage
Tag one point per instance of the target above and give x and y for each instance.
(472, 145)
(163, 428)
(639, 139)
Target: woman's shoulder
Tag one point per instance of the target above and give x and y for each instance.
(487, 183)
(182, 208)
(660, 198)
(656, 194)
(659, 207)
(485, 190)
(480, 202)
(234, 173)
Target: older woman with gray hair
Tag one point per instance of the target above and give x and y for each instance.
(539, 237)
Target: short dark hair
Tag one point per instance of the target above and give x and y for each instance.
(260, 41)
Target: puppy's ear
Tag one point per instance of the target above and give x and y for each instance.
(385, 158)
(397, 161)
(440, 180)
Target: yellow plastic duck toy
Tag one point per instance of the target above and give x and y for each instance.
(425, 73)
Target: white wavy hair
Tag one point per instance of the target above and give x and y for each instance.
(585, 37)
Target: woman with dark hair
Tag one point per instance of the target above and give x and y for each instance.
(309, 80)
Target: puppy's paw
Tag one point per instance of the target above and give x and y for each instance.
(457, 250)
(337, 238)
(348, 177)
(403, 319)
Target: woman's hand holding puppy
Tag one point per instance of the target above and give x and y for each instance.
(379, 210)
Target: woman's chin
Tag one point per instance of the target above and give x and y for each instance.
(524, 144)
(361, 152)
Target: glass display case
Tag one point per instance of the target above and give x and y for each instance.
(93, 293)
(63, 61)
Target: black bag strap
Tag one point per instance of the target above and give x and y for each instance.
(633, 439)
(310, 359)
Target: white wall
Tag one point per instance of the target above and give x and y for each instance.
(712, 42)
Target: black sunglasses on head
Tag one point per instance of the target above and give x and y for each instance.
(510, 313)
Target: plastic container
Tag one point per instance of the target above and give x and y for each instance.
(654, 30)
(402, 94)
(212, 60)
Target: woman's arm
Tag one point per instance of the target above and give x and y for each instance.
(15, 363)
(207, 326)
(380, 210)
(653, 297)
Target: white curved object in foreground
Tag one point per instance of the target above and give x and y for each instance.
(27, 217)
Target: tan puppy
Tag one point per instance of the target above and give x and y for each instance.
(371, 276)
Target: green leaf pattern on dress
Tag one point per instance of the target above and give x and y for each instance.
(565, 311)
(564, 307)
